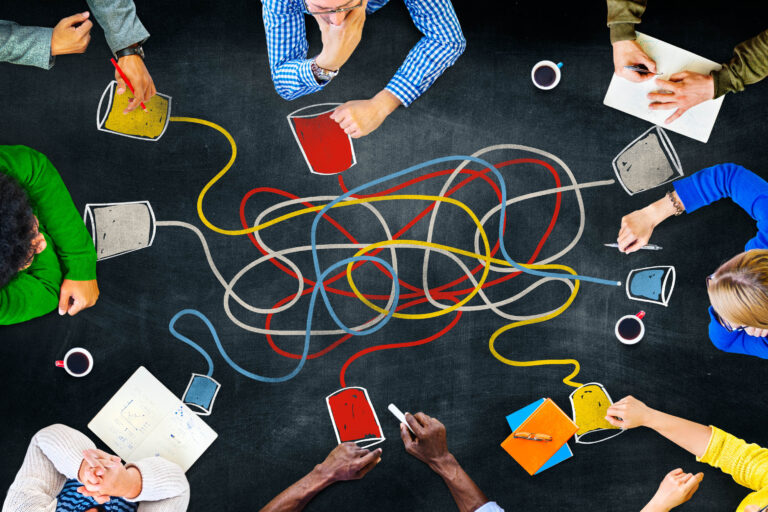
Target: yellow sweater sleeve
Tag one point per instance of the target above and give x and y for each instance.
(746, 463)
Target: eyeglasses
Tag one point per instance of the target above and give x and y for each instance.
(532, 437)
(332, 11)
(728, 327)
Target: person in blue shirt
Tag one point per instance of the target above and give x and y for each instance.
(341, 25)
(738, 290)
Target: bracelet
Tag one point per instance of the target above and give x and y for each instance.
(675, 203)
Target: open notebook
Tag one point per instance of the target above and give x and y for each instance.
(144, 419)
(631, 97)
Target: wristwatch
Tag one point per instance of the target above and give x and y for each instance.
(323, 75)
(134, 49)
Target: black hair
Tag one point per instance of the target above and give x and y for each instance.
(17, 228)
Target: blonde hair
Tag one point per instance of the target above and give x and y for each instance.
(738, 290)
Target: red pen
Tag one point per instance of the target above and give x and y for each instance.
(127, 82)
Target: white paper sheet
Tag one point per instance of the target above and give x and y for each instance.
(631, 97)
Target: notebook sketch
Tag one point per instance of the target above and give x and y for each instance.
(631, 97)
(144, 419)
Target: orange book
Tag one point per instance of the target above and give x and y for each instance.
(548, 419)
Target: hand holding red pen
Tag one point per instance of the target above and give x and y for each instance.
(138, 78)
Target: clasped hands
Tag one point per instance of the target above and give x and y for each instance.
(72, 35)
(681, 92)
(103, 476)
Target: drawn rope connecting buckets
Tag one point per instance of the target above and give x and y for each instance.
(324, 145)
(149, 125)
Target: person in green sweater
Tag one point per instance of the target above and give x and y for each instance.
(685, 89)
(47, 257)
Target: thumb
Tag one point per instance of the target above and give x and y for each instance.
(64, 296)
(405, 436)
(75, 19)
(613, 421)
(120, 83)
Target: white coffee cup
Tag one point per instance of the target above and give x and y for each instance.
(76, 359)
(548, 64)
(636, 320)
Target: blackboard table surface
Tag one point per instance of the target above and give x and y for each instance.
(211, 58)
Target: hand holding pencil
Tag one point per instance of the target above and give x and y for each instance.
(131, 72)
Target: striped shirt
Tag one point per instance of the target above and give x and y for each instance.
(69, 500)
(287, 46)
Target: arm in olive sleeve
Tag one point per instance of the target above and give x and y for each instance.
(623, 15)
(748, 65)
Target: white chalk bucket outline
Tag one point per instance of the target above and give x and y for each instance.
(578, 438)
(195, 408)
(101, 121)
(669, 151)
(664, 296)
(293, 115)
(373, 441)
(88, 218)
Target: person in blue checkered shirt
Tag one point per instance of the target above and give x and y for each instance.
(341, 25)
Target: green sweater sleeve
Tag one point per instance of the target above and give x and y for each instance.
(623, 15)
(32, 292)
(748, 65)
(54, 209)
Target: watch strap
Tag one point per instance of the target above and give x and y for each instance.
(134, 49)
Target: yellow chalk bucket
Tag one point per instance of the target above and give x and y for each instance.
(590, 404)
(149, 125)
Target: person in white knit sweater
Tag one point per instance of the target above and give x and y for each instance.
(59, 456)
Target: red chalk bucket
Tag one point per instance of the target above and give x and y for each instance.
(353, 417)
(325, 146)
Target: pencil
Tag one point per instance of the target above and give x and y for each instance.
(127, 82)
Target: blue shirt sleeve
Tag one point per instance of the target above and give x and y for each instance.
(287, 48)
(737, 342)
(743, 187)
(441, 46)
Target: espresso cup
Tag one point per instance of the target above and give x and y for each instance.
(546, 74)
(630, 328)
(78, 362)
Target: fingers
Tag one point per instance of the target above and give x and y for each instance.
(661, 97)
(677, 113)
(368, 467)
(78, 304)
(405, 435)
(614, 421)
(64, 296)
(135, 102)
(668, 85)
(649, 63)
(675, 472)
(415, 425)
(370, 457)
(662, 106)
(120, 83)
(85, 28)
(75, 19)
(677, 77)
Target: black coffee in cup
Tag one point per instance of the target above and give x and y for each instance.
(77, 363)
(544, 76)
(630, 328)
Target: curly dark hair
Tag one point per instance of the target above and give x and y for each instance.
(17, 228)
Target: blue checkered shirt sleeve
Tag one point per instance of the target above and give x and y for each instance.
(287, 47)
(439, 49)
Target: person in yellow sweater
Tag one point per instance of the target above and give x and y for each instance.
(746, 463)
